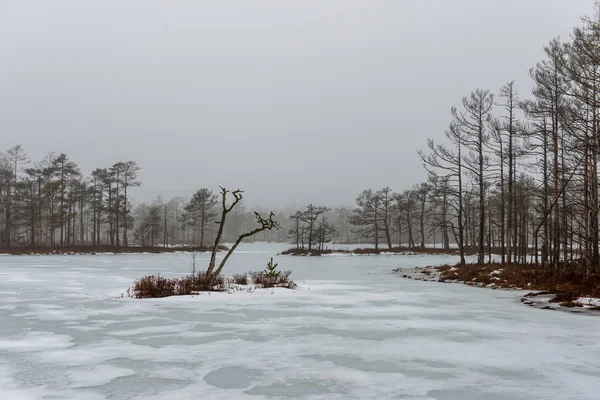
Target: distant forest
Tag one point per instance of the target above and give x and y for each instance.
(50, 203)
(519, 175)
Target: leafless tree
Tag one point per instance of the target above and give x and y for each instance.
(264, 224)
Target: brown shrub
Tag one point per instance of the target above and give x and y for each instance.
(366, 250)
(564, 298)
(444, 268)
(240, 279)
(469, 273)
(305, 252)
(155, 286)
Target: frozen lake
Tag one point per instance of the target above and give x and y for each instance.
(351, 331)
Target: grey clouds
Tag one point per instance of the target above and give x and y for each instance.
(292, 101)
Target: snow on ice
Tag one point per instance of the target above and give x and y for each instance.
(352, 330)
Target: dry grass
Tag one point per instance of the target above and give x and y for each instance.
(240, 279)
(305, 252)
(367, 251)
(444, 268)
(468, 274)
(564, 298)
(156, 286)
(571, 282)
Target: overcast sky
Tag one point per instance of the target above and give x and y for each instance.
(293, 101)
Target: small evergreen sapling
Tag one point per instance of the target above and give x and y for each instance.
(270, 272)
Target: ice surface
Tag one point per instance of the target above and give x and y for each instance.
(97, 375)
(352, 330)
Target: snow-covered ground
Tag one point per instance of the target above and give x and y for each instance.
(353, 330)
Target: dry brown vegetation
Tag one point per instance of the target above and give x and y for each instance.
(569, 283)
(444, 268)
(240, 279)
(366, 251)
(153, 286)
(156, 286)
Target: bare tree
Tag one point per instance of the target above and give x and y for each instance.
(471, 120)
(310, 216)
(297, 232)
(423, 191)
(443, 164)
(367, 217)
(510, 141)
(264, 224)
(387, 213)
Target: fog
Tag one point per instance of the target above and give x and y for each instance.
(294, 102)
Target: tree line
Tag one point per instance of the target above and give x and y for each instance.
(194, 221)
(524, 172)
(515, 175)
(51, 203)
(412, 218)
(518, 176)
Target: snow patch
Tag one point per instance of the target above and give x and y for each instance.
(36, 341)
(96, 375)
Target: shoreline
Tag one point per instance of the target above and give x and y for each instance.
(102, 250)
(541, 299)
(300, 252)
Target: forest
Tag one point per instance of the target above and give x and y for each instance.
(517, 176)
(522, 173)
(52, 204)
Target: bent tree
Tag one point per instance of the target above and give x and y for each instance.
(264, 224)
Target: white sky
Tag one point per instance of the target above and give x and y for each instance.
(292, 101)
